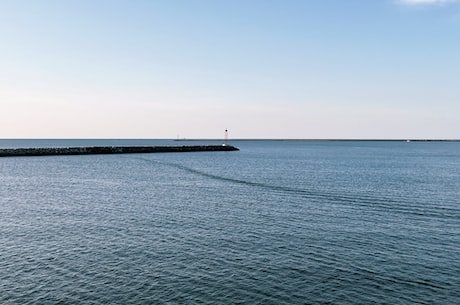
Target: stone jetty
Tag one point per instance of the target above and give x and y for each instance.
(98, 150)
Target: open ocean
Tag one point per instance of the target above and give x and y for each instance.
(279, 222)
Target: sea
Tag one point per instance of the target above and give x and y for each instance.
(278, 222)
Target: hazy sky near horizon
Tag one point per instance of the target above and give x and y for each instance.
(260, 68)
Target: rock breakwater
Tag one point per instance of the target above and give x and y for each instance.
(97, 150)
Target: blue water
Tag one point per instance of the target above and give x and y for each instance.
(279, 222)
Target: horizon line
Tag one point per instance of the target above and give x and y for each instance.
(256, 139)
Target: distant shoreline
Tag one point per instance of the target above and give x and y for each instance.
(332, 140)
(234, 139)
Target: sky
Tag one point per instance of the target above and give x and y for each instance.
(297, 69)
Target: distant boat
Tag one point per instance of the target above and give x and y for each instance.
(407, 141)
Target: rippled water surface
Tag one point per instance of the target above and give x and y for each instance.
(279, 222)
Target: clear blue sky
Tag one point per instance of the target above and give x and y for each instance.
(262, 69)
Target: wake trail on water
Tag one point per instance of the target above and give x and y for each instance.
(401, 205)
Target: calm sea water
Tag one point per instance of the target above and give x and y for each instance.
(280, 222)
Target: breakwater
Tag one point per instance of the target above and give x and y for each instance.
(97, 150)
